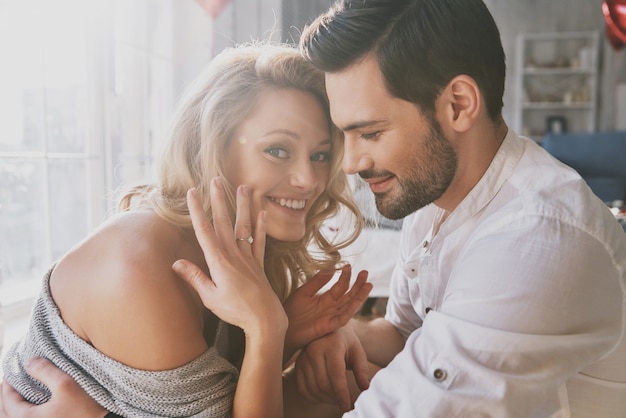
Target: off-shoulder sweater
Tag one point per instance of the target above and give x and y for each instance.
(204, 387)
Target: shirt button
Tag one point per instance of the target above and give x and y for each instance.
(411, 270)
(425, 244)
(440, 375)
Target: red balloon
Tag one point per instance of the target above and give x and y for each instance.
(615, 17)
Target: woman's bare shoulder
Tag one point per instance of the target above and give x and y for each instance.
(117, 291)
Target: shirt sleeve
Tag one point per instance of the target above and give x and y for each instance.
(522, 312)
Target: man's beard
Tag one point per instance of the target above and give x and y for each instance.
(428, 180)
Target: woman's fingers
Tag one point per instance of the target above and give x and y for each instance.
(316, 282)
(361, 288)
(243, 226)
(205, 233)
(342, 284)
(222, 224)
(353, 300)
(219, 240)
(241, 236)
(196, 278)
(260, 231)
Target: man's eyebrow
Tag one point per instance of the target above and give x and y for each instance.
(360, 125)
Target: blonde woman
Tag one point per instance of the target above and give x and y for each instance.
(252, 137)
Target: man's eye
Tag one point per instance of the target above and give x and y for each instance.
(321, 156)
(277, 152)
(369, 135)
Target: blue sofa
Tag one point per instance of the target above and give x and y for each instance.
(600, 158)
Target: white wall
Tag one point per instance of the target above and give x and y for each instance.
(515, 16)
(246, 20)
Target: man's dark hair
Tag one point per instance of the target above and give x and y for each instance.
(420, 45)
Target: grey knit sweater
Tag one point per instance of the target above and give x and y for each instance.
(202, 388)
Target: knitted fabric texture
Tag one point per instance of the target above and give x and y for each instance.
(204, 387)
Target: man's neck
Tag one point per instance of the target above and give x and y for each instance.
(475, 153)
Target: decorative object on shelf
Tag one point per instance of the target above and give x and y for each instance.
(614, 12)
(556, 124)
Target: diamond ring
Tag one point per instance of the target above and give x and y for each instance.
(249, 240)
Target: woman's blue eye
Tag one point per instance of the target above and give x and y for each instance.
(277, 152)
(321, 156)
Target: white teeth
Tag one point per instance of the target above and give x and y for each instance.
(291, 203)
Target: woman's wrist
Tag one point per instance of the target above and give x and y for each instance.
(269, 324)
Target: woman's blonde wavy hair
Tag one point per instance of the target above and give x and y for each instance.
(210, 111)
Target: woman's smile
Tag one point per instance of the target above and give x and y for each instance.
(295, 204)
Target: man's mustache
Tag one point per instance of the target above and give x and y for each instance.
(368, 174)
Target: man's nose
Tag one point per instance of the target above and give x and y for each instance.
(354, 160)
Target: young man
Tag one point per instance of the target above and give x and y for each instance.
(508, 296)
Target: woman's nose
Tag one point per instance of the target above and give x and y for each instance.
(304, 176)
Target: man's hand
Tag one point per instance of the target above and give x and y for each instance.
(313, 315)
(321, 368)
(68, 399)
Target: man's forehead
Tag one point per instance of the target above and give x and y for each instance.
(356, 95)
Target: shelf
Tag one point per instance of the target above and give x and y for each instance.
(564, 36)
(551, 105)
(556, 78)
(558, 71)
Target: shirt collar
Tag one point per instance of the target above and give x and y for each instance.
(498, 172)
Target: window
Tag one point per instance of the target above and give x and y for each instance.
(46, 146)
(86, 88)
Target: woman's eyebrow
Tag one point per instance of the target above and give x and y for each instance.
(283, 132)
(294, 135)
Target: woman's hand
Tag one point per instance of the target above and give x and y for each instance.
(68, 398)
(313, 315)
(236, 290)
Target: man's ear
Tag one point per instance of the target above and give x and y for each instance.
(463, 102)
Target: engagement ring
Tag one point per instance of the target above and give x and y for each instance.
(249, 240)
